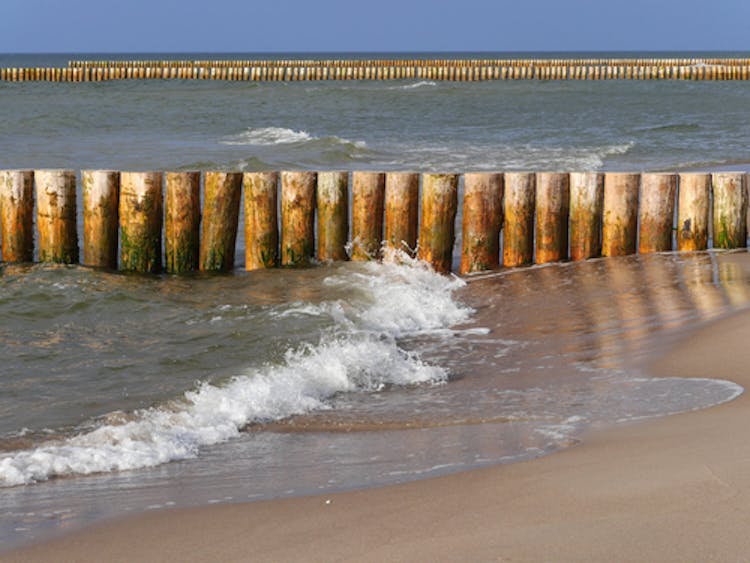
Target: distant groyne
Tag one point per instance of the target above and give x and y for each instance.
(460, 70)
(188, 221)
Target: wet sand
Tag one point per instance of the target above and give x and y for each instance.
(669, 489)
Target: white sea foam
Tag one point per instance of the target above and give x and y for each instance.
(360, 354)
(414, 85)
(269, 136)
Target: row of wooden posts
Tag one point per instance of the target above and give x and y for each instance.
(453, 73)
(539, 217)
(537, 62)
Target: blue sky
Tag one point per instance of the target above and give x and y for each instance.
(379, 25)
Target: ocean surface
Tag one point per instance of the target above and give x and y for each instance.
(125, 393)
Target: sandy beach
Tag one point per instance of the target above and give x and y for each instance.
(669, 489)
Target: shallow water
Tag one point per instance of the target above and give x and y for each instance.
(428, 387)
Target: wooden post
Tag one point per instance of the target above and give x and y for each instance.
(17, 215)
(368, 196)
(730, 210)
(261, 223)
(182, 219)
(221, 210)
(333, 210)
(656, 212)
(620, 213)
(140, 221)
(692, 211)
(401, 211)
(518, 229)
(552, 210)
(586, 201)
(101, 193)
(437, 228)
(297, 218)
(56, 217)
(482, 221)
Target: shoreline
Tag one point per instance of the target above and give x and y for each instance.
(671, 488)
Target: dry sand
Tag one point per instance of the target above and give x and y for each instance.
(671, 489)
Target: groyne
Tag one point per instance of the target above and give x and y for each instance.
(456, 70)
(152, 221)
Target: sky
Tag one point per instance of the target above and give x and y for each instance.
(137, 26)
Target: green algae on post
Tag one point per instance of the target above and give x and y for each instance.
(482, 221)
(182, 217)
(730, 209)
(261, 222)
(333, 211)
(221, 210)
(693, 211)
(297, 218)
(140, 221)
(586, 201)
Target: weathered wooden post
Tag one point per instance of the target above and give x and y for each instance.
(182, 219)
(586, 201)
(333, 210)
(297, 218)
(56, 216)
(437, 228)
(656, 212)
(482, 221)
(140, 221)
(368, 196)
(402, 211)
(730, 209)
(17, 215)
(692, 211)
(552, 210)
(101, 193)
(261, 222)
(518, 229)
(620, 220)
(221, 210)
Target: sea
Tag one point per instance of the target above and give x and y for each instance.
(121, 393)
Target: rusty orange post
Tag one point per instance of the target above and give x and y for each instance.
(56, 218)
(368, 197)
(401, 211)
(656, 212)
(333, 211)
(693, 211)
(482, 221)
(261, 222)
(586, 200)
(17, 215)
(141, 217)
(101, 193)
(518, 228)
(620, 213)
(437, 227)
(182, 219)
(221, 211)
(297, 218)
(552, 209)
